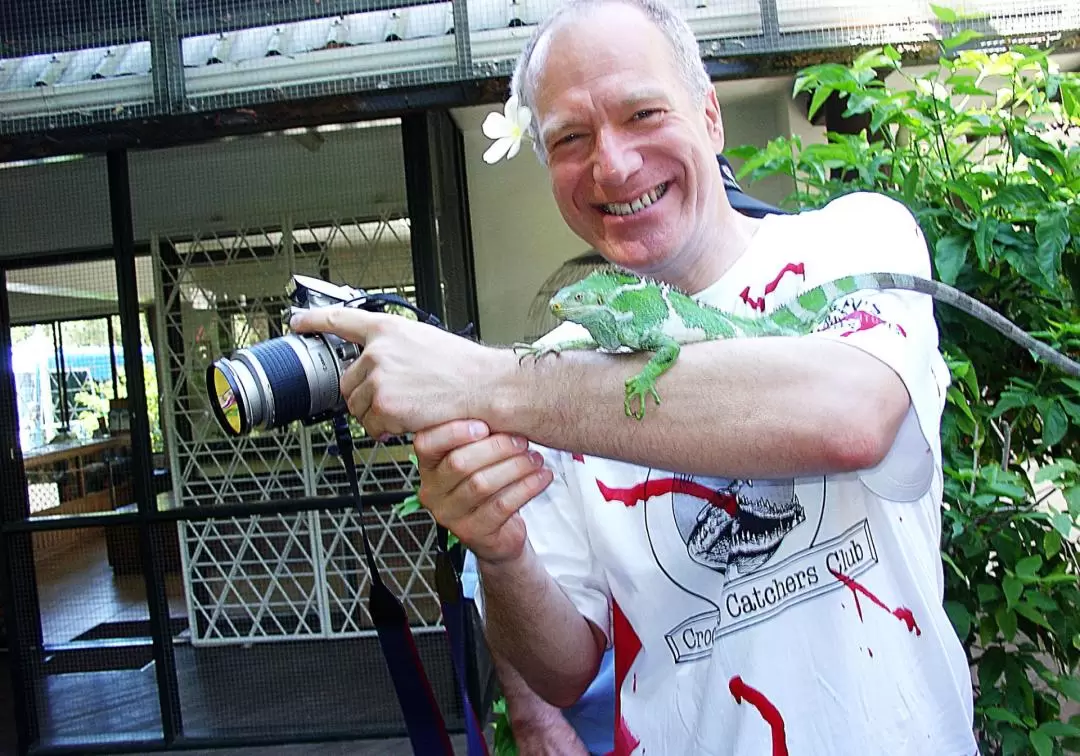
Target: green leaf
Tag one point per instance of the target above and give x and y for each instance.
(1006, 621)
(1070, 98)
(1068, 686)
(408, 506)
(998, 714)
(950, 254)
(1018, 195)
(1042, 743)
(1057, 729)
(1055, 470)
(1029, 566)
(1013, 588)
(1052, 543)
(821, 94)
(1072, 498)
(960, 618)
(1062, 523)
(961, 39)
(944, 14)
(1034, 615)
(984, 239)
(960, 402)
(1052, 235)
(1055, 420)
(988, 593)
(1072, 410)
(1012, 399)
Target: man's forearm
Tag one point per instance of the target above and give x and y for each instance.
(530, 620)
(741, 408)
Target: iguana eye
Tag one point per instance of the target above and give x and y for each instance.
(578, 297)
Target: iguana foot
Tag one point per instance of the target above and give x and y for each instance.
(532, 350)
(638, 389)
(536, 351)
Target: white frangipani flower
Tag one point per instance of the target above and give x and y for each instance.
(507, 128)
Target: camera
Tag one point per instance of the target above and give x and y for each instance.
(291, 377)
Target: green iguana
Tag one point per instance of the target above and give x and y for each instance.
(623, 312)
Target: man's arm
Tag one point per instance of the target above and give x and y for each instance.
(474, 483)
(738, 408)
(539, 728)
(530, 619)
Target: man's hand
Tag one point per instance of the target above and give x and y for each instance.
(410, 375)
(474, 482)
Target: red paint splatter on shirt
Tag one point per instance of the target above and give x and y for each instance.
(758, 303)
(578, 457)
(741, 691)
(902, 613)
(627, 646)
(660, 486)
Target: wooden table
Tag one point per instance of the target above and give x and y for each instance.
(75, 476)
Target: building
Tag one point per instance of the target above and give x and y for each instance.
(168, 167)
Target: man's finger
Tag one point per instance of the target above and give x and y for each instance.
(498, 509)
(353, 378)
(433, 444)
(349, 323)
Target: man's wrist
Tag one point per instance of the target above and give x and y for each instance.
(499, 397)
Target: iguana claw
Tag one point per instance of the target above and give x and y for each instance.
(639, 388)
(534, 351)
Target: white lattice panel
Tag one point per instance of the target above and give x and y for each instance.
(278, 576)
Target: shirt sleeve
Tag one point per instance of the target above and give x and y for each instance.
(898, 328)
(558, 531)
(469, 576)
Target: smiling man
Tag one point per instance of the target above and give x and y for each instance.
(761, 551)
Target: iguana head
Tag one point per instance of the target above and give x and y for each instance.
(588, 299)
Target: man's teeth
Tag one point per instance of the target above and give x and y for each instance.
(642, 202)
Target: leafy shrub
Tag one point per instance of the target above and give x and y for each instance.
(978, 147)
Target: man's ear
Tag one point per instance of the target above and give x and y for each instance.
(714, 123)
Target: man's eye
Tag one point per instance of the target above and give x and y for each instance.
(645, 114)
(566, 139)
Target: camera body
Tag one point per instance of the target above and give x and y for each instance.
(291, 377)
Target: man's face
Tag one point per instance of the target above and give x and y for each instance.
(632, 156)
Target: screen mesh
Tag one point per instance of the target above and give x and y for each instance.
(67, 64)
(256, 604)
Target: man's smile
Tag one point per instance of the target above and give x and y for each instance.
(636, 205)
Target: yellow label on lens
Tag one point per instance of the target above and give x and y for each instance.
(226, 399)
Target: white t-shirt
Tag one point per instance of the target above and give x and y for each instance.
(753, 616)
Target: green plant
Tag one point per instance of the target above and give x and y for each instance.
(978, 147)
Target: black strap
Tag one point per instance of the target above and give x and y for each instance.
(448, 585)
(423, 719)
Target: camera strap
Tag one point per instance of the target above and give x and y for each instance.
(419, 707)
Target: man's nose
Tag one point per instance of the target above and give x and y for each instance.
(617, 158)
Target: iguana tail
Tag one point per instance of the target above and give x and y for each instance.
(812, 306)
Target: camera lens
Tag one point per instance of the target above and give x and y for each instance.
(274, 383)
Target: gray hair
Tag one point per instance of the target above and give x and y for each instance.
(684, 49)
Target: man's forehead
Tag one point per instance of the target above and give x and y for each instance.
(587, 35)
